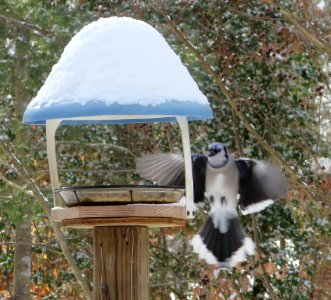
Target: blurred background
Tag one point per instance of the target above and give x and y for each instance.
(264, 66)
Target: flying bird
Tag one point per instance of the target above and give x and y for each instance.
(227, 183)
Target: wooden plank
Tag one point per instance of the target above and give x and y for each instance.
(121, 265)
(115, 211)
(149, 222)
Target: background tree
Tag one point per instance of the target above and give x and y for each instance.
(264, 67)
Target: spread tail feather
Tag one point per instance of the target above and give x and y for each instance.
(222, 249)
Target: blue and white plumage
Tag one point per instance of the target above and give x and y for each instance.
(226, 182)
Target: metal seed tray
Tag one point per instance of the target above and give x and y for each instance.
(93, 195)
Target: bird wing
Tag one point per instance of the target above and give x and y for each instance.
(199, 166)
(165, 169)
(169, 169)
(260, 184)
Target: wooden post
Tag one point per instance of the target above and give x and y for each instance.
(121, 263)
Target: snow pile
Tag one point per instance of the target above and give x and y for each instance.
(118, 60)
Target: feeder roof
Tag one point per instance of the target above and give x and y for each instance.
(121, 67)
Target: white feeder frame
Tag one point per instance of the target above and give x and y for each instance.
(53, 124)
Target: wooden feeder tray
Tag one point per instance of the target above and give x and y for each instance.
(103, 195)
(153, 206)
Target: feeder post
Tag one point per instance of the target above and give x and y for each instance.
(121, 263)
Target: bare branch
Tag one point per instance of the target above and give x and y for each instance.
(311, 36)
(56, 226)
(265, 277)
(117, 147)
(179, 34)
(16, 186)
(25, 25)
(258, 248)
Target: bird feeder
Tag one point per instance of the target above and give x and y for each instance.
(119, 71)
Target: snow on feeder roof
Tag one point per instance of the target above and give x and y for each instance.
(118, 67)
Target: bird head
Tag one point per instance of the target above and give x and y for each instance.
(215, 148)
(217, 155)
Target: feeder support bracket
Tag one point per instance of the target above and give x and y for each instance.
(51, 126)
(190, 206)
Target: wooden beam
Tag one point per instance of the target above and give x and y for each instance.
(121, 265)
(127, 221)
(119, 211)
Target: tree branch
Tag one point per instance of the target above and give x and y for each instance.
(258, 248)
(265, 277)
(178, 33)
(56, 226)
(96, 145)
(304, 31)
(25, 25)
(16, 186)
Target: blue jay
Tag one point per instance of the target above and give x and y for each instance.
(226, 182)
